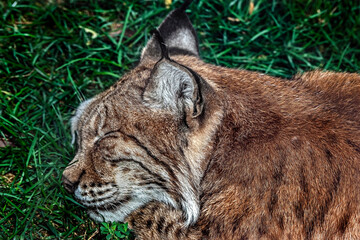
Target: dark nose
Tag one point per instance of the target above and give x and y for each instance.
(68, 185)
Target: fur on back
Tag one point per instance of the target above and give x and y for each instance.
(182, 149)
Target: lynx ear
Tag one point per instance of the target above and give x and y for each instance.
(174, 87)
(178, 34)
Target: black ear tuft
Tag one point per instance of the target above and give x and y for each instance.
(178, 34)
(160, 40)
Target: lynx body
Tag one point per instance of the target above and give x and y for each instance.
(182, 149)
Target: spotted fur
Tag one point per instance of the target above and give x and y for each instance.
(182, 149)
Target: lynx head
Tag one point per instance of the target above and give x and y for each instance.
(145, 138)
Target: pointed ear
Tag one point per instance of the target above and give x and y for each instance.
(176, 88)
(178, 34)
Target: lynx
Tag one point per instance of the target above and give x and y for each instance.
(182, 149)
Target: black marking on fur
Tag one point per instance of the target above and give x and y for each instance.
(273, 201)
(157, 183)
(309, 228)
(142, 208)
(178, 232)
(160, 224)
(181, 151)
(132, 222)
(323, 210)
(219, 227)
(303, 184)
(344, 222)
(168, 227)
(205, 231)
(141, 212)
(144, 178)
(278, 173)
(299, 210)
(237, 221)
(332, 138)
(149, 224)
(92, 193)
(281, 222)
(138, 126)
(241, 216)
(96, 200)
(277, 177)
(353, 145)
(262, 228)
(183, 120)
(244, 237)
(337, 179)
(124, 200)
(105, 124)
(113, 206)
(154, 208)
(329, 156)
(105, 208)
(332, 191)
(319, 214)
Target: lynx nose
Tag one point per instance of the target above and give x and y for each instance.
(68, 185)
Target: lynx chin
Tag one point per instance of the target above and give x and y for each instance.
(183, 149)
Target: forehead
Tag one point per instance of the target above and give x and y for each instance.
(107, 113)
(120, 108)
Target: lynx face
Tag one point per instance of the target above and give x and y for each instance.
(130, 153)
(114, 166)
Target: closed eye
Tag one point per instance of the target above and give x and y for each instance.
(105, 136)
(147, 170)
(120, 160)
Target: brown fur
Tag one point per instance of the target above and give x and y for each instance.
(268, 158)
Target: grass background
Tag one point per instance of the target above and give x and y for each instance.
(54, 54)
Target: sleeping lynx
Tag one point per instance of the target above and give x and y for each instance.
(182, 149)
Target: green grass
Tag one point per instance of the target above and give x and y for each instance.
(53, 56)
